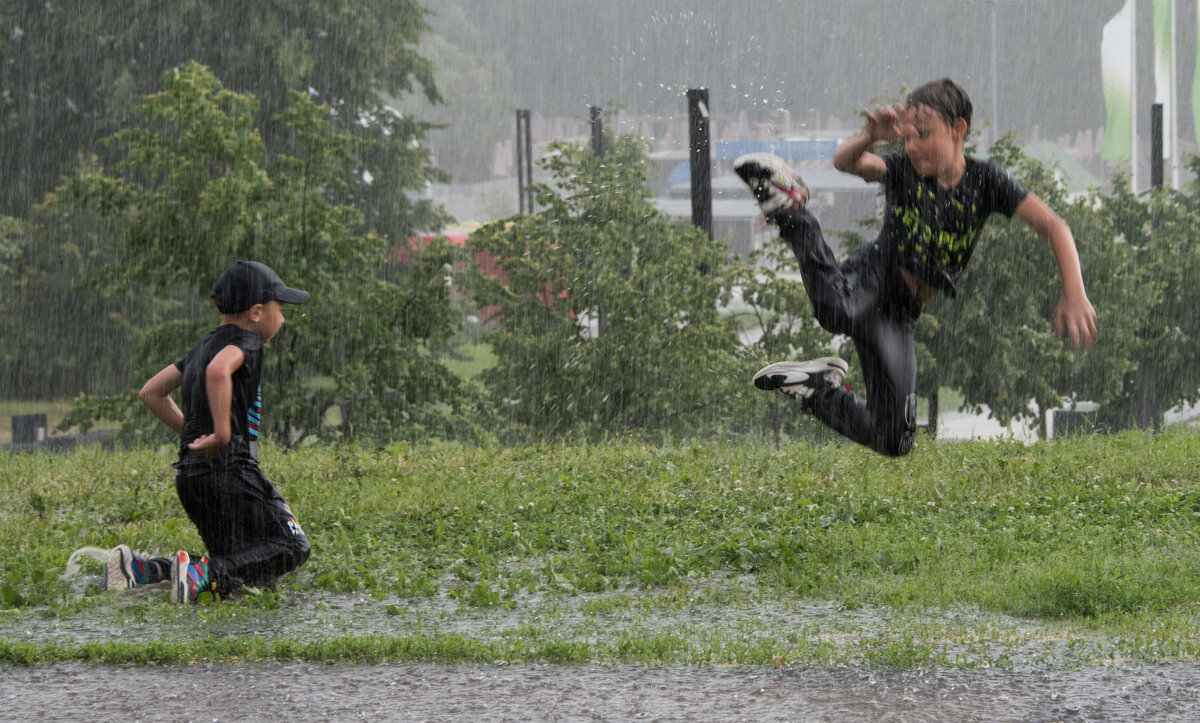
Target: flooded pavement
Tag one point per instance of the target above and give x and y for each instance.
(979, 667)
(484, 694)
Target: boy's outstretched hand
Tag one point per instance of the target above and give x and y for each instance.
(888, 123)
(1076, 317)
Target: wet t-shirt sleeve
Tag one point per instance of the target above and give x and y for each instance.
(1003, 192)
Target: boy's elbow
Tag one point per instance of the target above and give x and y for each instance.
(215, 374)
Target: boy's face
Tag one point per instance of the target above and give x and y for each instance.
(932, 144)
(268, 320)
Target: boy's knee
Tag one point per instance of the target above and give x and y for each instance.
(299, 552)
(831, 316)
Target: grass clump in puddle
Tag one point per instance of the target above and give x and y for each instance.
(962, 554)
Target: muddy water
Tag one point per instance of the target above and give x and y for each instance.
(308, 692)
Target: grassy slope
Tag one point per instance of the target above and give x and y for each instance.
(1088, 546)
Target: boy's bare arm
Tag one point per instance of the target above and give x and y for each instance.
(218, 381)
(156, 394)
(854, 156)
(1074, 314)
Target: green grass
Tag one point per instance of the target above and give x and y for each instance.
(471, 359)
(962, 554)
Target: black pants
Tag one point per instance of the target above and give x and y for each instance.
(867, 300)
(251, 535)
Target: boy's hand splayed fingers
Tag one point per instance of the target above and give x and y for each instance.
(887, 123)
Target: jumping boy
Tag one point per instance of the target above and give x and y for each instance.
(250, 533)
(937, 200)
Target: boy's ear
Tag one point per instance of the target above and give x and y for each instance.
(254, 313)
(960, 129)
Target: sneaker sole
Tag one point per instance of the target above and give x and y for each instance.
(120, 569)
(754, 165)
(776, 375)
(179, 564)
(762, 167)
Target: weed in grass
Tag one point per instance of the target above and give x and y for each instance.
(606, 606)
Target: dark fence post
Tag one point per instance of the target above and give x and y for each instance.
(524, 163)
(597, 131)
(701, 160)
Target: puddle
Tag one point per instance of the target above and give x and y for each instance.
(483, 694)
(821, 631)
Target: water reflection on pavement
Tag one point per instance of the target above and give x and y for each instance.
(481, 694)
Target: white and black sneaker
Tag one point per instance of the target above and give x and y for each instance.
(775, 186)
(799, 379)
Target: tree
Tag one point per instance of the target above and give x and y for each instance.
(1161, 343)
(11, 240)
(41, 306)
(71, 73)
(608, 319)
(193, 194)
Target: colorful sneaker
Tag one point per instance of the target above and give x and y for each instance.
(775, 186)
(190, 579)
(127, 569)
(799, 379)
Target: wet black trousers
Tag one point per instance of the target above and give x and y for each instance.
(251, 535)
(867, 300)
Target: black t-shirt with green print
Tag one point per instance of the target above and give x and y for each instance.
(932, 230)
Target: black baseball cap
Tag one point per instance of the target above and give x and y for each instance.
(247, 283)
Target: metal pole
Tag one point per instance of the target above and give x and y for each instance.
(597, 131)
(520, 167)
(528, 162)
(1156, 145)
(699, 156)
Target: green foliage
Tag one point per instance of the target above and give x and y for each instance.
(79, 68)
(74, 74)
(1159, 337)
(193, 194)
(607, 317)
(41, 306)
(12, 235)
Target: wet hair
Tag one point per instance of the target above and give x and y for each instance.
(945, 98)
